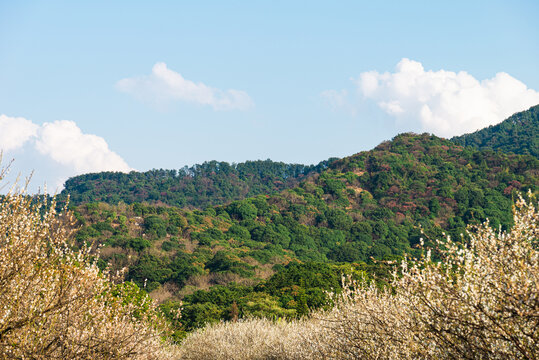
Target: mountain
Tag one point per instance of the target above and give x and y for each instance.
(214, 183)
(518, 134)
(376, 204)
(210, 183)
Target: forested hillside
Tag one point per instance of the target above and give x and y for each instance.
(518, 134)
(211, 183)
(216, 183)
(376, 204)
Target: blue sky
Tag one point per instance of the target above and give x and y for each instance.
(90, 86)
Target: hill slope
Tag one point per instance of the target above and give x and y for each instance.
(375, 204)
(518, 134)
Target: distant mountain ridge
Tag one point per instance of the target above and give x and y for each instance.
(214, 183)
(518, 134)
(198, 186)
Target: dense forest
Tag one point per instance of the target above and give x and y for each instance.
(198, 186)
(518, 134)
(263, 255)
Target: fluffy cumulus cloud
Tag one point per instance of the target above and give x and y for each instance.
(164, 85)
(64, 142)
(443, 102)
(60, 144)
(15, 132)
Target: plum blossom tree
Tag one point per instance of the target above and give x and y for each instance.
(55, 303)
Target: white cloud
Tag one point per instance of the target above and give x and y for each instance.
(444, 102)
(64, 142)
(56, 150)
(164, 85)
(15, 131)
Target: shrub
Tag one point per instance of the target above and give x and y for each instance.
(242, 210)
(170, 245)
(155, 226)
(138, 244)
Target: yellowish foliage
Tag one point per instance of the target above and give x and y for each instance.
(251, 339)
